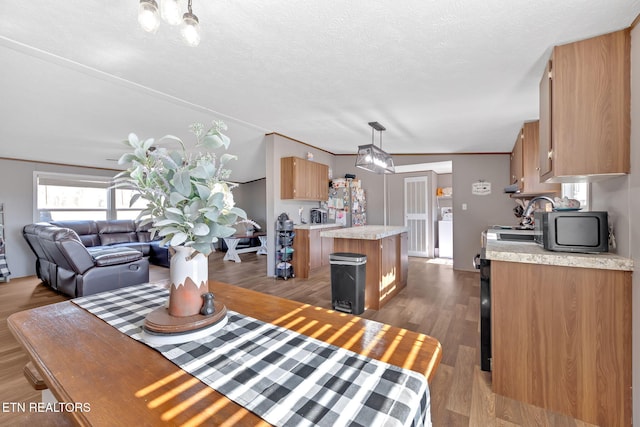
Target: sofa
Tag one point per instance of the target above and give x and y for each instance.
(79, 258)
(119, 233)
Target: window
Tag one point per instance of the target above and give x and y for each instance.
(62, 197)
(578, 191)
(122, 198)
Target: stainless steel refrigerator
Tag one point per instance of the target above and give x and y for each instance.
(347, 204)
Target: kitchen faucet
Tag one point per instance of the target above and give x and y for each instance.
(526, 219)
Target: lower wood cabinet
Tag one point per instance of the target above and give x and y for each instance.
(561, 339)
(311, 251)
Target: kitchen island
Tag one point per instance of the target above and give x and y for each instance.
(387, 258)
(561, 330)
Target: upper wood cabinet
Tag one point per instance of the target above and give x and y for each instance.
(303, 180)
(524, 163)
(585, 109)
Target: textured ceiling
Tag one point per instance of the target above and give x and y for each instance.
(443, 76)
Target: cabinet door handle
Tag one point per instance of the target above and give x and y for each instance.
(549, 154)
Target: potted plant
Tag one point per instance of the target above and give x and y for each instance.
(190, 204)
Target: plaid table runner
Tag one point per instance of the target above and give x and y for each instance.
(286, 378)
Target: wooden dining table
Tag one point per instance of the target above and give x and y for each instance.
(121, 381)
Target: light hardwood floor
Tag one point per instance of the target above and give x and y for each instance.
(438, 301)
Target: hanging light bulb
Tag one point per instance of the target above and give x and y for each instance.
(148, 15)
(170, 12)
(190, 28)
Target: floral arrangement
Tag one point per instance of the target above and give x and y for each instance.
(190, 200)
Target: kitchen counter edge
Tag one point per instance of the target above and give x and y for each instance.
(532, 253)
(315, 226)
(365, 232)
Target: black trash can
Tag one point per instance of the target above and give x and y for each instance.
(348, 272)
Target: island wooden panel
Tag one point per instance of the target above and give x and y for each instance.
(83, 359)
(561, 339)
(387, 266)
(310, 251)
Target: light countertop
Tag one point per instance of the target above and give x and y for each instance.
(314, 226)
(532, 253)
(365, 232)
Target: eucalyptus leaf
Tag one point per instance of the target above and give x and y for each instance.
(175, 198)
(178, 239)
(166, 222)
(203, 191)
(203, 248)
(147, 144)
(200, 172)
(175, 211)
(133, 140)
(226, 157)
(134, 199)
(212, 214)
(217, 200)
(166, 231)
(126, 158)
(239, 212)
(216, 141)
(182, 183)
(201, 229)
(140, 153)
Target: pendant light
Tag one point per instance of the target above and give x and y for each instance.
(372, 158)
(148, 15)
(190, 28)
(170, 12)
(149, 18)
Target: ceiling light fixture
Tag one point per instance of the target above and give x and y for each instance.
(148, 15)
(170, 12)
(372, 158)
(149, 18)
(190, 28)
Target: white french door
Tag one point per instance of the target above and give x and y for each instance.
(416, 215)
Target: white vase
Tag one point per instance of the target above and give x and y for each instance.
(189, 277)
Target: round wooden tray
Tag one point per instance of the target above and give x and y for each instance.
(160, 322)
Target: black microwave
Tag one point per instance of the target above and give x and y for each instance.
(572, 231)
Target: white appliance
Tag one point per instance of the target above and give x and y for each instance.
(445, 239)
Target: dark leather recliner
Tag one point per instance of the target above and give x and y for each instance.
(68, 266)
